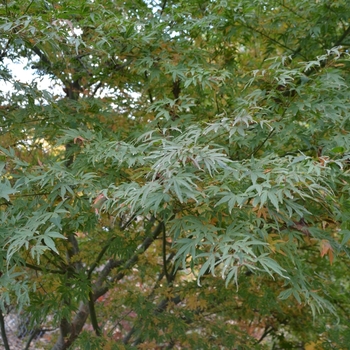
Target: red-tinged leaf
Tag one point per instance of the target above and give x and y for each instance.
(331, 256)
(99, 200)
(326, 248)
(79, 140)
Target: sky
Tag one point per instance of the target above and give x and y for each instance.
(27, 75)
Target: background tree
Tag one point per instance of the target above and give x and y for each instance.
(187, 185)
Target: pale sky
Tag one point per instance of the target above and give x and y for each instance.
(26, 76)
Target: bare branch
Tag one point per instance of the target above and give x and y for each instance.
(69, 334)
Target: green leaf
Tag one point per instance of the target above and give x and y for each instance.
(274, 200)
(346, 236)
(50, 243)
(271, 265)
(6, 190)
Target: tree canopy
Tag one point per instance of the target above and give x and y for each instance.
(184, 182)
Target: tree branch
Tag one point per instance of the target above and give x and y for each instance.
(98, 289)
(149, 90)
(93, 315)
(34, 334)
(291, 10)
(41, 55)
(165, 269)
(37, 268)
(3, 331)
(343, 36)
(112, 263)
(28, 7)
(163, 6)
(294, 52)
(162, 305)
(267, 331)
(3, 52)
(99, 258)
(142, 248)
(262, 144)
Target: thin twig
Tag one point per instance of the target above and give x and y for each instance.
(165, 269)
(37, 268)
(163, 6)
(161, 307)
(267, 331)
(143, 247)
(294, 52)
(262, 144)
(343, 36)
(99, 257)
(105, 248)
(31, 338)
(28, 7)
(3, 52)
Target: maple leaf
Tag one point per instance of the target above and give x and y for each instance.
(261, 212)
(301, 226)
(97, 204)
(79, 140)
(326, 248)
(5, 191)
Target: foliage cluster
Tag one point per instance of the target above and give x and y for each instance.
(185, 184)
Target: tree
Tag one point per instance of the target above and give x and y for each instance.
(188, 188)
